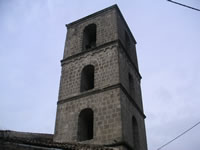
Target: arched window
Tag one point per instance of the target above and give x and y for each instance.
(136, 140)
(85, 125)
(131, 85)
(127, 42)
(89, 37)
(87, 78)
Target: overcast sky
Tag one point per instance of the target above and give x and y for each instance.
(32, 36)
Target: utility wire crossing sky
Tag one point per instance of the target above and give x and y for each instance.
(183, 5)
(179, 135)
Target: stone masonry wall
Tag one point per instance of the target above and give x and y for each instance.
(111, 103)
(125, 68)
(107, 117)
(106, 72)
(106, 32)
(122, 28)
(128, 111)
(104, 103)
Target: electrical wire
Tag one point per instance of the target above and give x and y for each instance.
(179, 136)
(183, 5)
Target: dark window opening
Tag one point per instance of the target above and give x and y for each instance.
(136, 141)
(131, 85)
(85, 125)
(89, 37)
(127, 41)
(87, 78)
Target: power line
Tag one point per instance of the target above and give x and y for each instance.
(179, 136)
(183, 5)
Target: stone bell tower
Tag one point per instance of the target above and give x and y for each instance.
(100, 98)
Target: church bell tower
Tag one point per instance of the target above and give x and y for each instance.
(100, 98)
